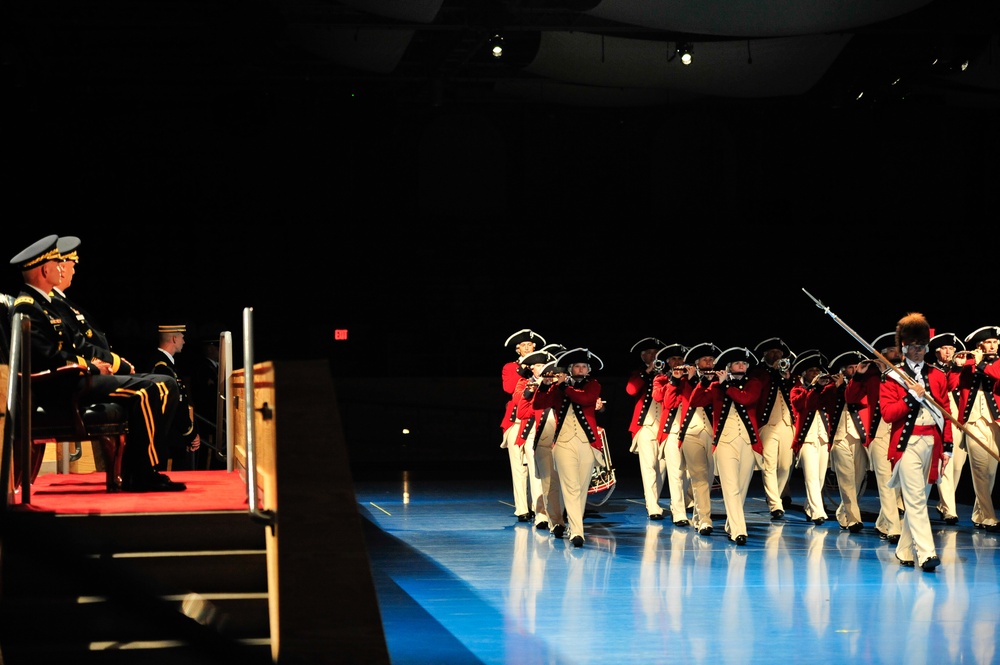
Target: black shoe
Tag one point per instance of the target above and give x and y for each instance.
(542, 525)
(559, 530)
(819, 520)
(777, 514)
(893, 539)
(992, 528)
(577, 541)
(705, 531)
(930, 563)
(741, 540)
(682, 523)
(905, 562)
(155, 482)
(881, 534)
(656, 516)
(951, 521)
(524, 518)
(855, 527)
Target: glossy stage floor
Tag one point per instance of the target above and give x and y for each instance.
(459, 580)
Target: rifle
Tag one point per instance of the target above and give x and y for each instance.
(907, 381)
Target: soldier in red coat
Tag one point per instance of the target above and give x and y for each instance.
(522, 343)
(644, 427)
(915, 401)
(814, 399)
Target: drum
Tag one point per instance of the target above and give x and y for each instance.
(602, 481)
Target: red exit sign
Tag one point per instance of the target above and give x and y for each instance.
(340, 334)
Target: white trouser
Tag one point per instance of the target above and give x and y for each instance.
(850, 463)
(916, 540)
(575, 463)
(518, 468)
(652, 466)
(697, 453)
(814, 457)
(776, 462)
(984, 469)
(947, 487)
(678, 481)
(734, 461)
(878, 456)
(548, 476)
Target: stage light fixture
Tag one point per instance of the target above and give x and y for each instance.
(685, 52)
(496, 45)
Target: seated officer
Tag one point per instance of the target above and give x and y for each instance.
(150, 400)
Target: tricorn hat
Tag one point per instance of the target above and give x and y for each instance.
(536, 357)
(885, 341)
(37, 253)
(945, 339)
(982, 334)
(647, 343)
(846, 358)
(913, 328)
(671, 350)
(580, 355)
(554, 348)
(735, 354)
(701, 350)
(772, 343)
(523, 335)
(810, 358)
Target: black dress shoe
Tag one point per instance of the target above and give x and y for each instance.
(951, 521)
(741, 540)
(893, 539)
(542, 525)
(992, 528)
(155, 482)
(705, 531)
(777, 514)
(577, 541)
(682, 523)
(656, 516)
(855, 527)
(930, 563)
(524, 518)
(881, 534)
(559, 530)
(905, 562)
(819, 520)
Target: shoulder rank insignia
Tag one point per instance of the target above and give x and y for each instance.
(24, 299)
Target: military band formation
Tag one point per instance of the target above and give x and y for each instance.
(914, 411)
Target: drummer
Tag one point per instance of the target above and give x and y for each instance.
(574, 394)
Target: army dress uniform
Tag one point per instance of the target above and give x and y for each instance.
(777, 426)
(644, 428)
(150, 401)
(814, 405)
(847, 454)
(183, 430)
(980, 414)
(510, 374)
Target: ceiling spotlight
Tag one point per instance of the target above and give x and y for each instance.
(685, 52)
(496, 45)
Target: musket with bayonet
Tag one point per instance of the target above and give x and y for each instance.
(907, 380)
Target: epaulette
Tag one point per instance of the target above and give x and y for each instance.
(24, 299)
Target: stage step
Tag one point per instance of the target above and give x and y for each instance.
(150, 588)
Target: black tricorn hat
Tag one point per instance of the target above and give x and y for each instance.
(735, 354)
(580, 355)
(701, 350)
(671, 350)
(945, 339)
(647, 343)
(913, 328)
(772, 343)
(536, 357)
(523, 335)
(37, 253)
(810, 358)
(982, 334)
(885, 341)
(846, 358)
(554, 348)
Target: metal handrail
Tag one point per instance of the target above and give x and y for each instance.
(268, 517)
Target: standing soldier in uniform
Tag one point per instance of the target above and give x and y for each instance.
(696, 433)
(184, 438)
(941, 352)
(645, 425)
(521, 343)
(917, 407)
(678, 480)
(528, 433)
(814, 398)
(777, 420)
(888, 523)
(848, 455)
(981, 417)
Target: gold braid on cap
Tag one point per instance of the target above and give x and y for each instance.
(913, 328)
(52, 254)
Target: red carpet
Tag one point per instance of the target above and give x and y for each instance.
(84, 493)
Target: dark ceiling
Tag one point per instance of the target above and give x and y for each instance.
(189, 50)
